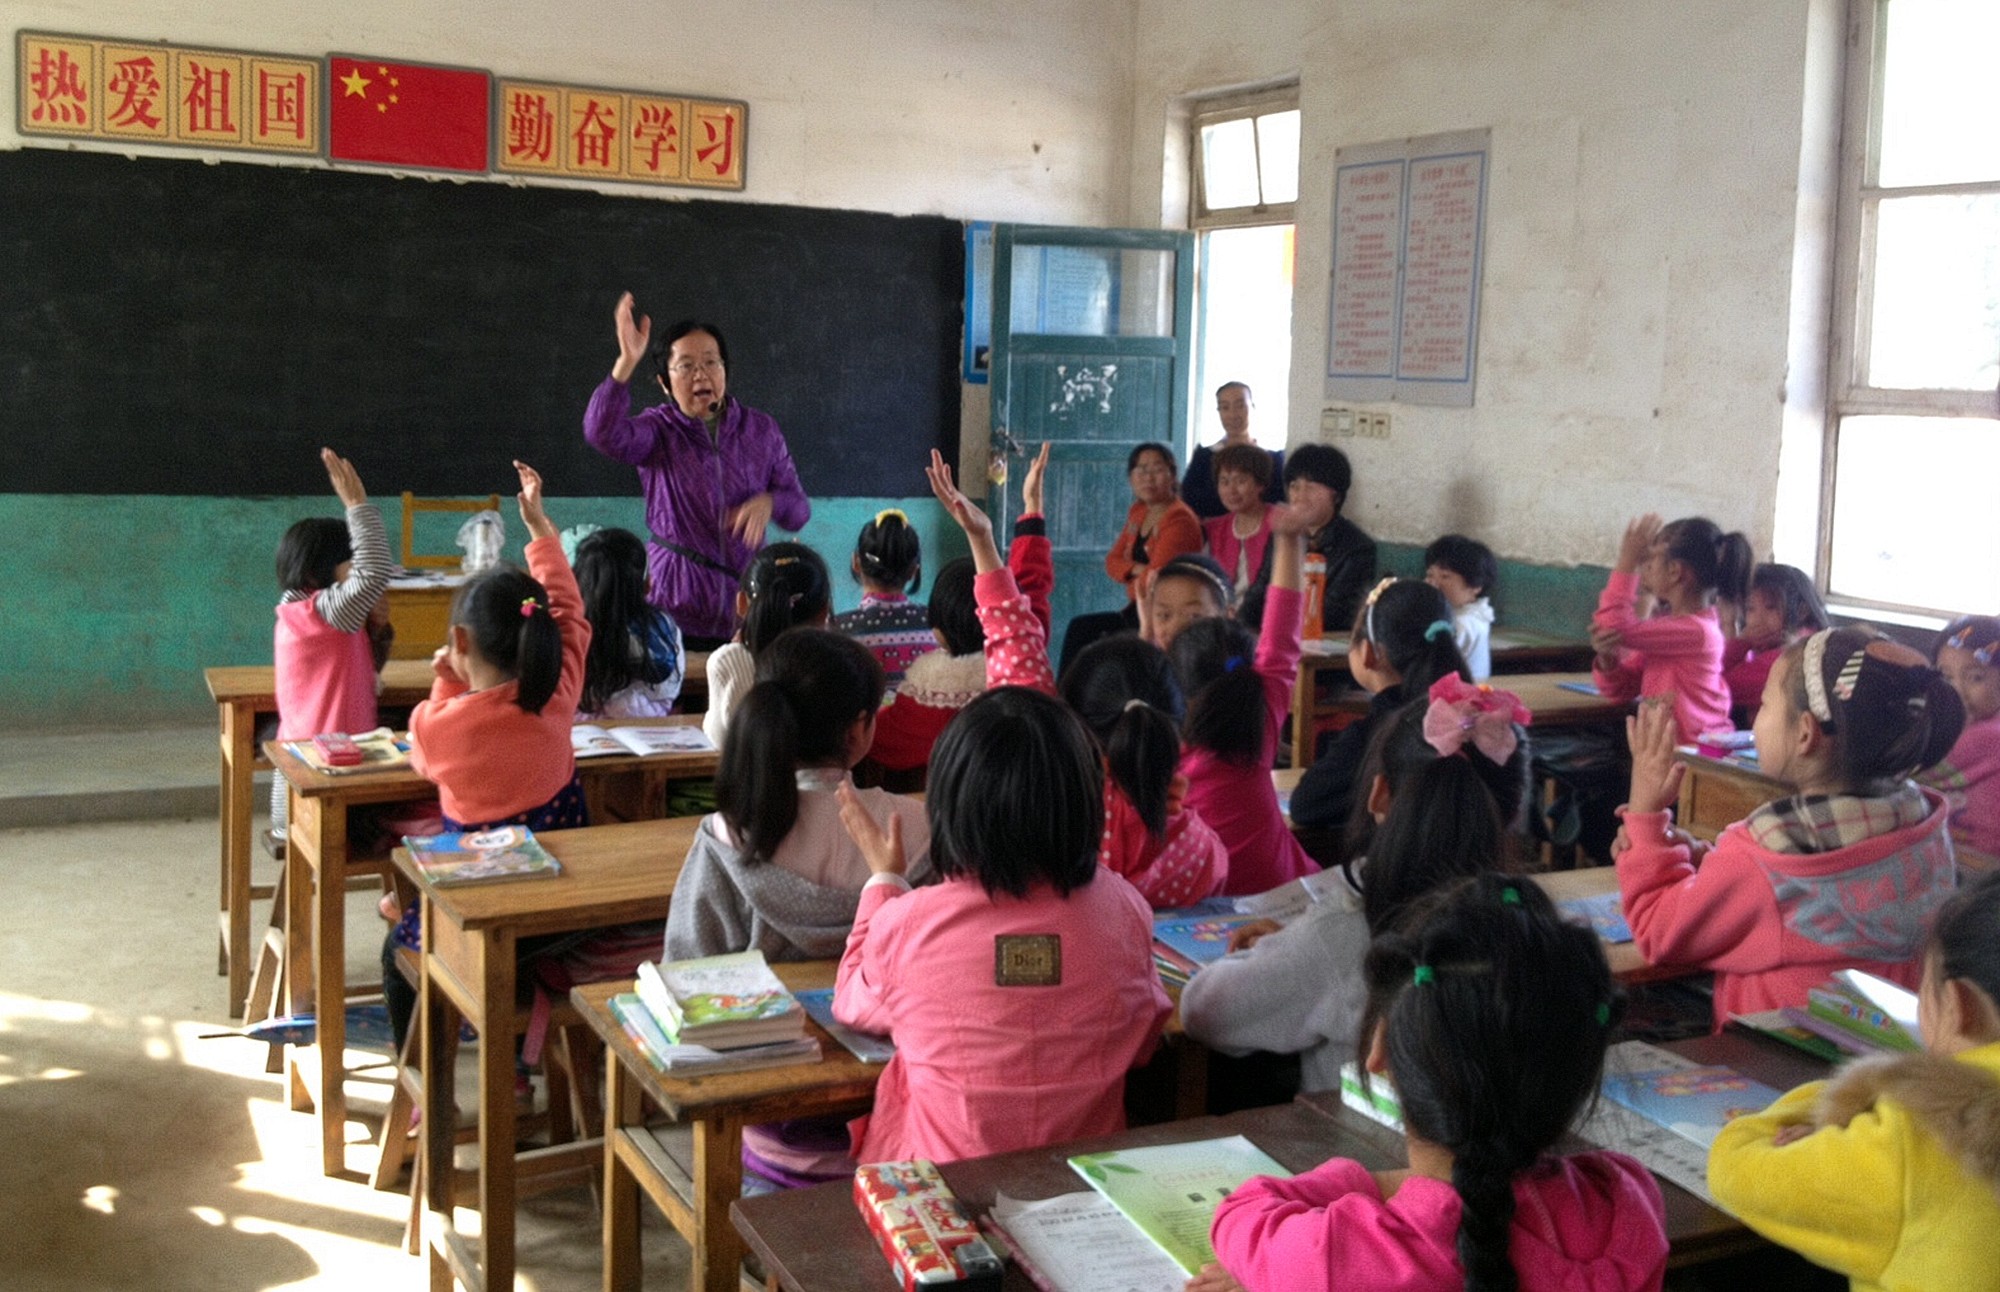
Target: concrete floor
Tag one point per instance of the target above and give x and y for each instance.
(134, 1152)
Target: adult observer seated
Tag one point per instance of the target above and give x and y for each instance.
(1317, 478)
(1198, 483)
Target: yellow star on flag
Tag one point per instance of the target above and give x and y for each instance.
(356, 83)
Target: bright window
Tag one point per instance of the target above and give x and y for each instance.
(1246, 186)
(1913, 439)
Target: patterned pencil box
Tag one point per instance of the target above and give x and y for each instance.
(926, 1236)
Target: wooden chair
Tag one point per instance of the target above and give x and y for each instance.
(412, 560)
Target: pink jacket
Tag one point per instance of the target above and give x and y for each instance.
(1773, 925)
(1592, 1222)
(1969, 778)
(982, 1066)
(1744, 671)
(490, 758)
(325, 677)
(1233, 553)
(1681, 654)
(1240, 802)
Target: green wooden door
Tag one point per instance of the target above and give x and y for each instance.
(1092, 353)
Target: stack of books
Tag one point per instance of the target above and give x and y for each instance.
(482, 857)
(716, 1014)
(1853, 1013)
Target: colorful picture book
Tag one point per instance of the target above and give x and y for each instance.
(1780, 1025)
(380, 751)
(865, 1046)
(1375, 1099)
(1183, 943)
(1604, 913)
(1693, 1101)
(588, 740)
(724, 1002)
(696, 1060)
(1170, 1191)
(1863, 1013)
(485, 856)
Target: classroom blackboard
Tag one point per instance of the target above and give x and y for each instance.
(174, 327)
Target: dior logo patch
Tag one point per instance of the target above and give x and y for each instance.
(1027, 960)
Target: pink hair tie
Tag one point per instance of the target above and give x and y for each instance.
(529, 606)
(1486, 716)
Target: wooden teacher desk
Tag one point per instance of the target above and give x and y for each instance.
(613, 874)
(814, 1240)
(318, 863)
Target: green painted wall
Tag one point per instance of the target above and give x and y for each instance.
(1546, 598)
(117, 603)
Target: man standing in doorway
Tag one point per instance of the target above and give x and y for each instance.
(1232, 406)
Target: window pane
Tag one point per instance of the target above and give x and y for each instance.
(1278, 146)
(1936, 320)
(1246, 327)
(1092, 291)
(1229, 164)
(1940, 96)
(1913, 512)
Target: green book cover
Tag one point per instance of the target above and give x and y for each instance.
(1170, 1191)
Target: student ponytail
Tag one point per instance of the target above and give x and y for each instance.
(507, 613)
(1123, 689)
(1889, 713)
(1720, 563)
(1410, 622)
(889, 554)
(786, 585)
(1495, 1015)
(1215, 662)
(812, 685)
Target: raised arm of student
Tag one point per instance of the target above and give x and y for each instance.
(348, 603)
(1029, 557)
(1016, 643)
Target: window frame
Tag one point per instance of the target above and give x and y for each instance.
(1234, 107)
(1859, 200)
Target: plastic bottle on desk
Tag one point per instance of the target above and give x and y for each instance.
(1315, 589)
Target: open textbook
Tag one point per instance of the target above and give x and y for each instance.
(590, 740)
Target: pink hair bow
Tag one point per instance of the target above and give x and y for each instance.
(1461, 712)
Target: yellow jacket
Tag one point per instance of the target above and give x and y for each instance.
(1899, 1188)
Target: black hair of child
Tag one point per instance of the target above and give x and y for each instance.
(888, 553)
(1410, 622)
(811, 685)
(1123, 688)
(1448, 817)
(1791, 590)
(506, 611)
(1496, 1015)
(1016, 795)
(1244, 459)
(1720, 563)
(1468, 558)
(786, 584)
(310, 551)
(1981, 632)
(1965, 935)
(611, 576)
(1215, 661)
(952, 610)
(1898, 715)
(663, 349)
(1199, 567)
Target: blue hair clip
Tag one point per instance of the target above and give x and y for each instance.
(1233, 663)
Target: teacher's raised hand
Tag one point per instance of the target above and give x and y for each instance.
(635, 333)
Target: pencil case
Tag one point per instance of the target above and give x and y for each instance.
(926, 1236)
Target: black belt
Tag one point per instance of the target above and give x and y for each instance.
(702, 559)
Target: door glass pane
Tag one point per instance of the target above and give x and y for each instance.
(1940, 95)
(1246, 327)
(1092, 291)
(1278, 155)
(1229, 165)
(1936, 318)
(1913, 512)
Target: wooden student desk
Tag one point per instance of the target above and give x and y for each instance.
(612, 874)
(244, 696)
(318, 863)
(1516, 652)
(814, 1240)
(1717, 792)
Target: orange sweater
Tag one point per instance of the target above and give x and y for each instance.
(1177, 534)
(490, 758)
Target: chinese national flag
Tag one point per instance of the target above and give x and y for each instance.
(400, 115)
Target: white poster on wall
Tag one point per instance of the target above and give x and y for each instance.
(1408, 236)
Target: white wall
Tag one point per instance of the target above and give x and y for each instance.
(983, 109)
(1642, 217)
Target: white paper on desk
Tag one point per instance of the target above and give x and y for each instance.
(1080, 1242)
(1290, 900)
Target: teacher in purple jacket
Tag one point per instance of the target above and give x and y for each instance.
(715, 472)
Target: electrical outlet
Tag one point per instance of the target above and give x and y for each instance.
(1337, 422)
(1374, 426)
